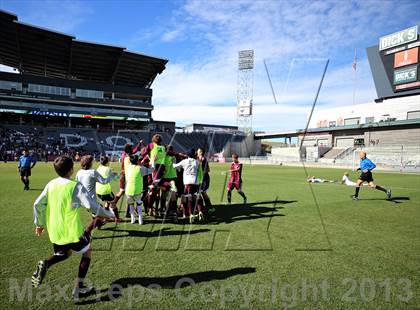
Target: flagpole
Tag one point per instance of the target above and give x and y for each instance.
(355, 75)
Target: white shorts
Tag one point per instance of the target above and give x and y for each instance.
(132, 199)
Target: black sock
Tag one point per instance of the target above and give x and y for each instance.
(242, 194)
(83, 268)
(380, 188)
(52, 260)
(356, 194)
(229, 196)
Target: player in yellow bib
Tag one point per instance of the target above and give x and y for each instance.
(156, 153)
(134, 187)
(58, 210)
(104, 191)
(168, 195)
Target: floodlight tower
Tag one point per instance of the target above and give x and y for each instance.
(245, 90)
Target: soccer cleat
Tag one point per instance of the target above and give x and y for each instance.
(200, 216)
(354, 197)
(191, 218)
(81, 291)
(388, 194)
(39, 274)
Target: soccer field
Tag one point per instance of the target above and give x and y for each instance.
(292, 245)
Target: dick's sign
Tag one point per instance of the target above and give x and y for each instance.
(398, 38)
(405, 75)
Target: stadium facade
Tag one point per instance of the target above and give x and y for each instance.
(388, 128)
(70, 82)
(392, 118)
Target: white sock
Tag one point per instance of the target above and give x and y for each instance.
(140, 214)
(133, 218)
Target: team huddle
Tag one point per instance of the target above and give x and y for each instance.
(153, 180)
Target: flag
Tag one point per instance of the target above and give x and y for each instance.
(355, 61)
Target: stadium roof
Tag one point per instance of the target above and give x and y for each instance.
(298, 132)
(40, 51)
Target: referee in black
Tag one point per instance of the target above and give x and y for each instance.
(366, 166)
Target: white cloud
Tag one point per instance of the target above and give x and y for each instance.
(277, 31)
(173, 34)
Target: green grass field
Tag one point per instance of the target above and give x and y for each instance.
(278, 251)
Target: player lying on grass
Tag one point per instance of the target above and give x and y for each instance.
(26, 163)
(346, 181)
(57, 209)
(312, 179)
(366, 167)
(235, 180)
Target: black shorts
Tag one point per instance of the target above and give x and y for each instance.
(25, 172)
(79, 247)
(206, 183)
(107, 197)
(366, 177)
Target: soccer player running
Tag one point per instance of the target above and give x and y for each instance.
(26, 163)
(88, 177)
(366, 166)
(235, 180)
(58, 210)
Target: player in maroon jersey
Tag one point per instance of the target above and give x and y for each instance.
(205, 185)
(235, 180)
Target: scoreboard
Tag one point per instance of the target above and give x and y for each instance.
(395, 64)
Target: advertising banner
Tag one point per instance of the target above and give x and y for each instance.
(405, 75)
(408, 57)
(398, 38)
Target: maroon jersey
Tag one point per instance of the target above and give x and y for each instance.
(124, 155)
(236, 173)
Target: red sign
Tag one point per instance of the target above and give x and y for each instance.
(409, 85)
(407, 57)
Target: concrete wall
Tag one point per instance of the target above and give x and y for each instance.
(393, 137)
(395, 108)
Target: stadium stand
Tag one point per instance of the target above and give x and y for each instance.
(48, 142)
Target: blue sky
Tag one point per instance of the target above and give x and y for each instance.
(201, 40)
